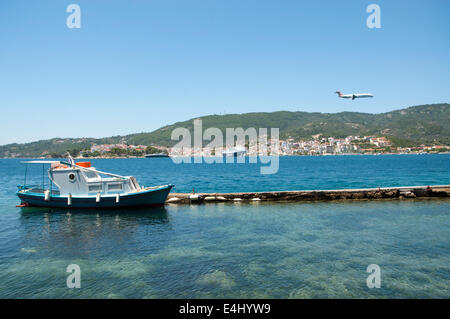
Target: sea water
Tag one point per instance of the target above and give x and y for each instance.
(235, 250)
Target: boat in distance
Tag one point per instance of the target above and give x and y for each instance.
(156, 155)
(82, 186)
(234, 152)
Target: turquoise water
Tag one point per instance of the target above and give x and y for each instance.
(300, 250)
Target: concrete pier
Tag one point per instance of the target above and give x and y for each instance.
(314, 195)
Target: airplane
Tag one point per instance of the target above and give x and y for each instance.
(353, 96)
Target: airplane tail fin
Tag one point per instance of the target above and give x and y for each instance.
(338, 93)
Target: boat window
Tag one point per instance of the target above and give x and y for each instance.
(114, 187)
(93, 188)
(89, 174)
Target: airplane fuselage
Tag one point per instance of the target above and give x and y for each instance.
(353, 96)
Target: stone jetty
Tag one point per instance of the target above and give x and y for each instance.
(314, 195)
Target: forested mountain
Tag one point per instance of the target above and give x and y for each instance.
(423, 124)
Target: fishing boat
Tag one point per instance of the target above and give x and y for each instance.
(81, 186)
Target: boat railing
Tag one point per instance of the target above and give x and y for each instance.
(26, 187)
(36, 189)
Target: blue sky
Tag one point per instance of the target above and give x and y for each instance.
(135, 66)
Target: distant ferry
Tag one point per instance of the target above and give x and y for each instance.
(156, 155)
(234, 152)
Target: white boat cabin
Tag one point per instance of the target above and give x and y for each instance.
(84, 180)
(81, 179)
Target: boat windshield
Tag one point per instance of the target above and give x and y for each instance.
(91, 174)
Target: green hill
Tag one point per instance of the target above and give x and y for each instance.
(423, 124)
(411, 126)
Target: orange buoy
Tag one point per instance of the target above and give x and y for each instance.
(84, 164)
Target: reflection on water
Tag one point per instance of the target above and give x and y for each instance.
(30, 216)
(256, 250)
(78, 231)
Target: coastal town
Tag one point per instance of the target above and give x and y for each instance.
(317, 145)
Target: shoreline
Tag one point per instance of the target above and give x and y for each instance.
(318, 155)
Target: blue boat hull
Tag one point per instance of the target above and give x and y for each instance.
(151, 197)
